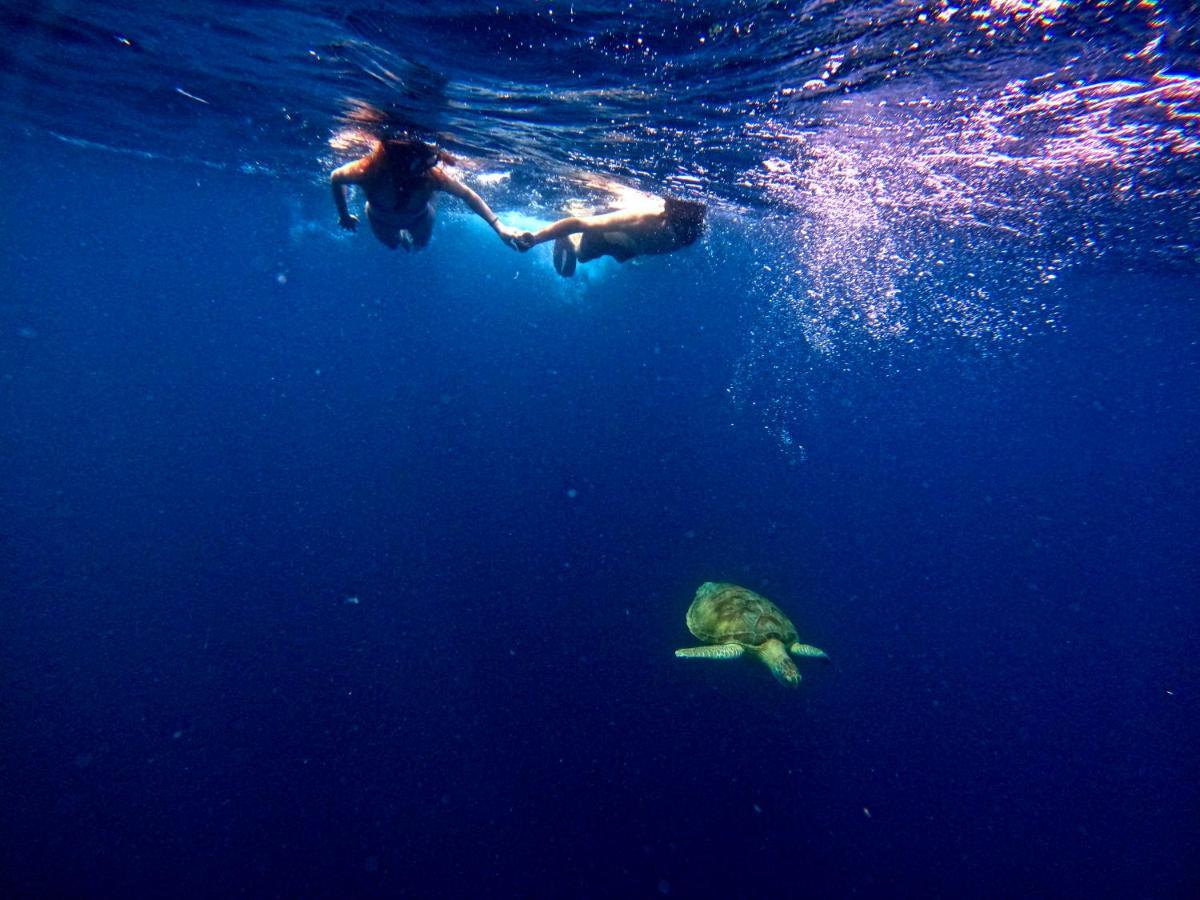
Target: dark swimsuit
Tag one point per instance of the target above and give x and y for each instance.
(616, 244)
(387, 223)
(391, 220)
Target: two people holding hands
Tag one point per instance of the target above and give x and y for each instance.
(400, 178)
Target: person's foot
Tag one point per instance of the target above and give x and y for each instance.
(406, 240)
(564, 257)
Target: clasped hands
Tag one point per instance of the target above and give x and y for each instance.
(518, 240)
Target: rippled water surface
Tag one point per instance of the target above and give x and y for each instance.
(731, 100)
(862, 139)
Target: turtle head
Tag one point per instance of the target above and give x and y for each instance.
(774, 656)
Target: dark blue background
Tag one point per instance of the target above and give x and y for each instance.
(202, 464)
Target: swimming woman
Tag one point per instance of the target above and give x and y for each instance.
(400, 178)
(622, 235)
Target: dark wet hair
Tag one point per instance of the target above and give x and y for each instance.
(685, 217)
(412, 158)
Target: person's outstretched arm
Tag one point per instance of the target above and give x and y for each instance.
(473, 200)
(613, 221)
(351, 173)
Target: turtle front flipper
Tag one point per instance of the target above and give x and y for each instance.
(717, 651)
(799, 649)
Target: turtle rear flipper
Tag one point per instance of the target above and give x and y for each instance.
(799, 649)
(775, 658)
(716, 651)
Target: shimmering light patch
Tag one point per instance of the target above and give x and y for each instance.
(617, 196)
(992, 16)
(889, 189)
(351, 141)
(919, 220)
(879, 230)
(848, 276)
(491, 179)
(1043, 12)
(1117, 122)
(361, 125)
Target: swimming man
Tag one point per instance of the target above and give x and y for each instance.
(400, 178)
(621, 235)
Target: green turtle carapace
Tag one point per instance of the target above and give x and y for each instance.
(733, 621)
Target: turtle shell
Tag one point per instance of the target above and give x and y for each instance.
(725, 613)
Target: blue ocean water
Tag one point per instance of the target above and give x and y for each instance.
(335, 571)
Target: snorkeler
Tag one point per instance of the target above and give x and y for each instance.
(621, 235)
(399, 178)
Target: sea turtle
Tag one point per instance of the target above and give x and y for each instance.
(733, 620)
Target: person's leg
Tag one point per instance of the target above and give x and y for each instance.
(591, 246)
(620, 245)
(389, 237)
(422, 230)
(564, 256)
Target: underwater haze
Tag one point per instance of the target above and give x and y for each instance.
(332, 571)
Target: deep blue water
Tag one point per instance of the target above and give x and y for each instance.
(973, 484)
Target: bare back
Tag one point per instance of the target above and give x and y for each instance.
(626, 235)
